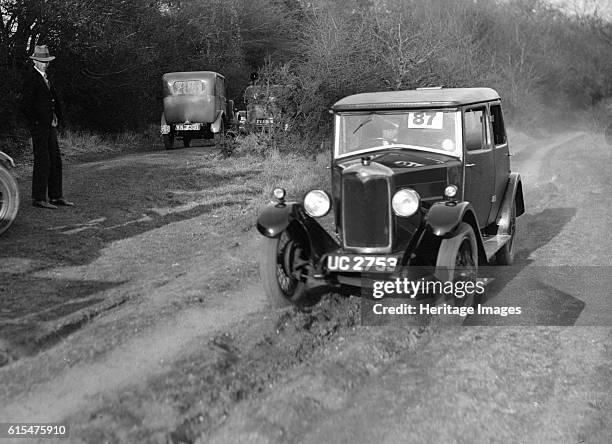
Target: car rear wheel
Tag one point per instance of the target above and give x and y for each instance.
(168, 140)
(457, 261)
(505, 255)
(220, 136)
(282, 262)
(9, 199)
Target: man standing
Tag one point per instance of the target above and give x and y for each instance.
(43, 113)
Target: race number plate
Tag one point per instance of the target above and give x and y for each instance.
(188, 127)
(428, 120)
(360, 264)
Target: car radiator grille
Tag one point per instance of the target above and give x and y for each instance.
(365, 207)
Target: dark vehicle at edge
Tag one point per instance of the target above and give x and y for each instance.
(9, 193)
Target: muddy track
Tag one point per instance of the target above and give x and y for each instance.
(162, 333)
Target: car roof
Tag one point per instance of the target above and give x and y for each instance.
(191, 75)
(416, 98)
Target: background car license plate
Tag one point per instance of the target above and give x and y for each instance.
(188, 126)
(361, 263)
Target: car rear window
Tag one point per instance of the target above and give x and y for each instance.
(189, 87)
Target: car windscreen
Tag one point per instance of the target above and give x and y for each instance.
(428, 130)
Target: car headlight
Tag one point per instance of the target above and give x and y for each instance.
(317, 203)
(279, 194)
(450, 191)
(405, 202)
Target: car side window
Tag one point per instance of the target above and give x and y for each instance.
(221, 88)
(497, 120)
(474, 120)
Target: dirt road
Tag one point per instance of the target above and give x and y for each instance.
(137, 317)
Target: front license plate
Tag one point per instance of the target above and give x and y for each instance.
(188, 127)
(356, 263)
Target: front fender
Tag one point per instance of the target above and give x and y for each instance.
(443, 217)
(276, 218)
(215, 127)
(6, 158)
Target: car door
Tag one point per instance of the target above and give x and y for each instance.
(478, 165)
(501, 156)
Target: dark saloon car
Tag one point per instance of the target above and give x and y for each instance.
(419, 178)
(195, 107)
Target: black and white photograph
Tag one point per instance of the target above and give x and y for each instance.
(306, 221)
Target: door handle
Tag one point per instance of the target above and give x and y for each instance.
(469, 165)
(510, 154)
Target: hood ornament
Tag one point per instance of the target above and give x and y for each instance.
(365, 161)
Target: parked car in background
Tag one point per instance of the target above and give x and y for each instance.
(195, 107)
(262, 106)
(418, 178)
(9, 193)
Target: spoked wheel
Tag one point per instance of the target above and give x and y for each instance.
(283, 260)
(505, 255)
(457, 261)
(168, 140)
(9, 199)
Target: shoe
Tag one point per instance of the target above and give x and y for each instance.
(43, 204)
(62, 202)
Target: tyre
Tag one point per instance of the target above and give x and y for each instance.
(186, 141)
(457, 260)
(9, 199)
(168, 140)
(505, 255)
(220, 136)
(282, 261)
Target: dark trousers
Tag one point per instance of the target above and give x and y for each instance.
(47, 174)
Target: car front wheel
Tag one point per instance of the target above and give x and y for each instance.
(282, 261)
(457, 261)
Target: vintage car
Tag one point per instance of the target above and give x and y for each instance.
(262, 108)
(419, 178)
(195, 107)
(9, 193)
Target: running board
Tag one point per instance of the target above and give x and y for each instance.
(494, 243)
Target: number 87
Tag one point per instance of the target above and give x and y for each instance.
(419, 118)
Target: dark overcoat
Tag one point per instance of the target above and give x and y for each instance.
(39, 103)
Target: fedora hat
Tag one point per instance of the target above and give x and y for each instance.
(41, 53)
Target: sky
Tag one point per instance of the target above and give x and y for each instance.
(602, 7)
